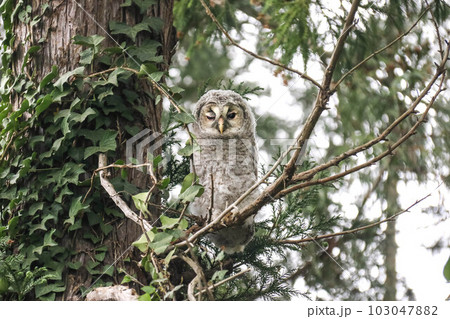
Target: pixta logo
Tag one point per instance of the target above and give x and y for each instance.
(145, 146)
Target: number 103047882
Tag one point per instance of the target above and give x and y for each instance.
(403, 310)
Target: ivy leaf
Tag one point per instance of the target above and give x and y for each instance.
(75, 207)
(12, 226)
(142, 242)
(129, 31)
(87, 56)
(147, 51)
(43, 104)
(183, 224)
(127, 3)
(156, 24)
(219, 275)
(66, 76)
(81, 117)
(167, 222)
(57, 94)
(48, 78)
(188, 150)
(156, 76)
(149, 289)
(147, 69)
(125, 279)
(184, 118)
(160, 242)
(447, 270)
(139, 202)
(169, 257)
(92, 41)
(74, 265)
(105, 93)
(164, 183)
(35, 207)
(187, 182)
(144, 5)
(48, 241)
(31, 50)
(100, 256)
(107, 143)
(191, 193)
(44, 289)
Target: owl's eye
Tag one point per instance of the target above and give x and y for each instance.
(231, 115)
(211, 116)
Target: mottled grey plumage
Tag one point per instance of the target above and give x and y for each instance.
(225, 131)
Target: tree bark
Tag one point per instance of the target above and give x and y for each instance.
(390, 245)
(53, 33)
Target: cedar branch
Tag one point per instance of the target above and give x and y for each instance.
(401, 36)
(253, 54)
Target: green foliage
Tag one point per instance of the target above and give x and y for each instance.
(17, 280)
(289, 28)
(447, 270)
(53, 126)
(49, 147)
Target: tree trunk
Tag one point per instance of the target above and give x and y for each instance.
(59, 23)
(390, 245)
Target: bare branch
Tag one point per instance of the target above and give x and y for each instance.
(253, 54)
(322, 97)
(401, 36)
(225, 280)
(349, 23)
(198, 279)
(307, 175)
(438, 34)
(109, 188)
(211, 203)
(191, 288)
(111, 166)
(355, 230)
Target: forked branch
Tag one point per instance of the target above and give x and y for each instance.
(109, 188)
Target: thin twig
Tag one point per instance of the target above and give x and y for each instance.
(253, 54)
(352, 231)
(92, 75)
(13, 136)
(225, 280)
(438, 34)
(401, 36)
(211, 203)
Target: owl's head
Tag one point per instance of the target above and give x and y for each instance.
(223, 114)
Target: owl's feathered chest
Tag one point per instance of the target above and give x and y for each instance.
(231, 164)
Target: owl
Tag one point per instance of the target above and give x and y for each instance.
(226, 163)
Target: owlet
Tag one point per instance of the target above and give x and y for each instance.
(226, 163)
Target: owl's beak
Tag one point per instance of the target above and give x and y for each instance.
(221, 124)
